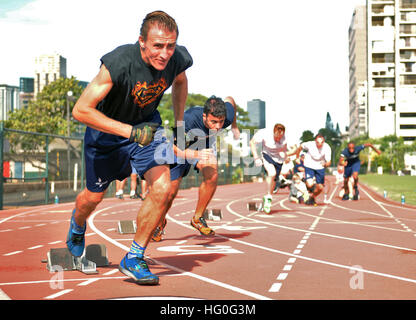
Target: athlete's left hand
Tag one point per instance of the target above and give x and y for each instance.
(143, 133)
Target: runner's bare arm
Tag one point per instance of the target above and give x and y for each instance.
(234, 127)
(179, 95)
(85, 108)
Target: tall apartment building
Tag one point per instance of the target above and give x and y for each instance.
(357, 34)
(27, 90)
(382, 38)
(9, 100)
(257, 113)
(48, 68)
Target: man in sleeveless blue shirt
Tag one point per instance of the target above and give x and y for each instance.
(351, 160)
(119, 107)
(201, 127)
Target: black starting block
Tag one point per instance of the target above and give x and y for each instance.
(212, 214)
(254, 206)
(127, 227)
(60, 259)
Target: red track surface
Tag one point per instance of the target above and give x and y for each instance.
(343, 250)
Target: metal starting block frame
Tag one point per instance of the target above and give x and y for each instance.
(127, 227)
(212, 214)
(255, 206)
(60, 259)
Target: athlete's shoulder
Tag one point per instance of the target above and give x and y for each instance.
(183, 57)
(119, 60)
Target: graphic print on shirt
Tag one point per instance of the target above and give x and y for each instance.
(145, 94)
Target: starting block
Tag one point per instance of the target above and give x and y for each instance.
(60, 259)
(212, 214)
(127, 226)
(254, 206)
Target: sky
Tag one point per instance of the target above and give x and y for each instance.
(291, 54)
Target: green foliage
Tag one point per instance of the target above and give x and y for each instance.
(46, 114)
(307, 135)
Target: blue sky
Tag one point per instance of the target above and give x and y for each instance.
(10, 5)
(291, 54)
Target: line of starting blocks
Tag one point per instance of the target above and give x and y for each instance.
(130, 227)
(60, 259)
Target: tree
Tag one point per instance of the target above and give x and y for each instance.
(328, 123)
(307, 135)
(46, 114)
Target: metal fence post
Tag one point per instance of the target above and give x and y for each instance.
(47, 171)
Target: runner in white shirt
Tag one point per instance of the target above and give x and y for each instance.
(274, 152)
(317, 158)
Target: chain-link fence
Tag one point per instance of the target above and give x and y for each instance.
(44, 168)
(40, 168)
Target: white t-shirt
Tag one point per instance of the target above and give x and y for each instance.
(314, 157)
(276, 150)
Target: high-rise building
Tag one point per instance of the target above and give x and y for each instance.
(48, 68)
(391, 69)
(27, 91)
(257, 113)
(357, 34)
(9, 100)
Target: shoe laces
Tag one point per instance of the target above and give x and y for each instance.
(141, 265)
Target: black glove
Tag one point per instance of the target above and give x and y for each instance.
(143, 133)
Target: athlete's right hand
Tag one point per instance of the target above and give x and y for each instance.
(258, 162)
(143, 133)
(206, 156)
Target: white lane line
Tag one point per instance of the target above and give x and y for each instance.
(58, 281)
(110, 272)
(179, 270)
(282, 276)
(12, 253)
(315, 232)
(58, 294)
(87, 282)
(35, 247)
(333, 264)
(275, 287)
(55, 242)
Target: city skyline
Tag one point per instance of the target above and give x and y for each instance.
(292, 56)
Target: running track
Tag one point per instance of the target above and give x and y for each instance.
(342, 250)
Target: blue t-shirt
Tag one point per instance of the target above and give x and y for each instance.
(196, 131)
(352, 157)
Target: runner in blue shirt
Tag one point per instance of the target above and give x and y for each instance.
(119, 107)
(201, 126)
(351, 160)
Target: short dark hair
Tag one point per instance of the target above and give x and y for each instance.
(160, 18)
(216, 107)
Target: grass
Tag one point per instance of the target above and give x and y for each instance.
(394, 185)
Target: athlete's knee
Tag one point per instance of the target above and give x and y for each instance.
(161, 190)
(87, 201)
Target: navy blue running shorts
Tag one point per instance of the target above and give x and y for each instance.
(109, 157)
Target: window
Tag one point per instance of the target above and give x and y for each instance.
(407, 114)
(408, 126)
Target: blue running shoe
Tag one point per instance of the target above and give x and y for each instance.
(137, 269)
(75, 241)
